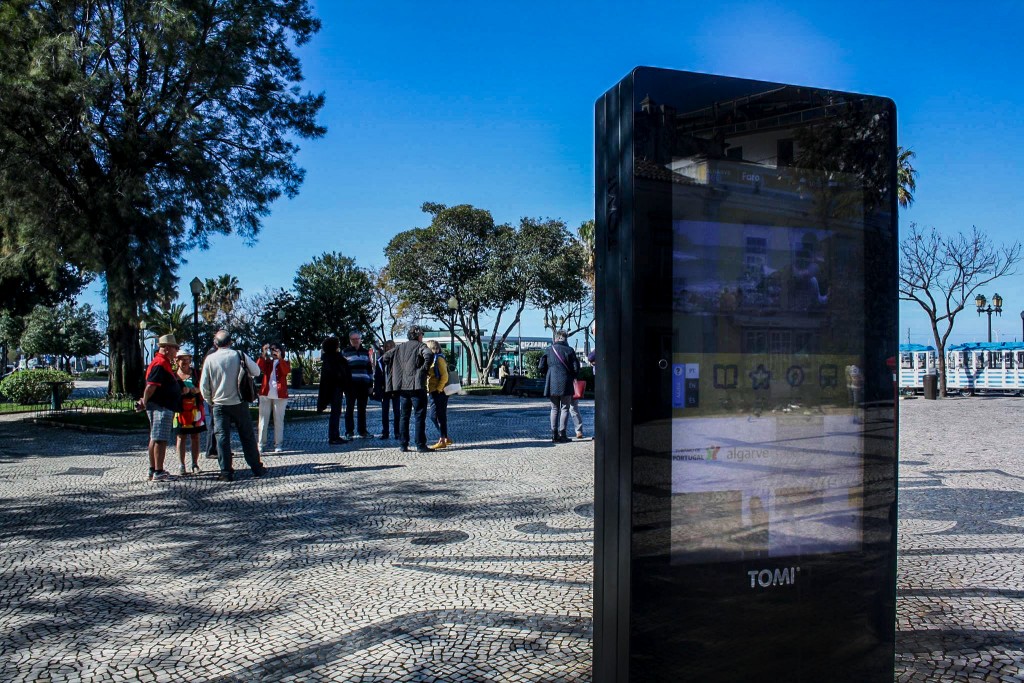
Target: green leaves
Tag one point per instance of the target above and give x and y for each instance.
(332, 296)
(130, 131)
(67, 330)
(492, 270)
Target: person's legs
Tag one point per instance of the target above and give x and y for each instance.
(160, 424)
(161, 453)
(247, 435)
(211, 428)
(563, 415)
(151, 452)
(385, 424)
(279, 405)
(195, 450)
(577, 418)
(362, 394)
(442, 413)
(403, 431)
(266, 404)
(432, 412)
(222, 420)
(396, 411)
(350, 404)
(181, 446)
(554, 415)
(332, 424)
(419, 401)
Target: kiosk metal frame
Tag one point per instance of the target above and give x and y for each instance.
(696, 578)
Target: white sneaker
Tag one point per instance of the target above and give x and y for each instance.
(278, 449)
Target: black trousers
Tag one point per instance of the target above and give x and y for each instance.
(414, 402)
(355, 398)
(439, 412)
(392, 403)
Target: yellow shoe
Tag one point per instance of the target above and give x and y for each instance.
(448, 442)
(441, 443)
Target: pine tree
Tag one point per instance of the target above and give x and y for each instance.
(130, 131)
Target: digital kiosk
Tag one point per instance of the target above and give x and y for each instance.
(746, 446)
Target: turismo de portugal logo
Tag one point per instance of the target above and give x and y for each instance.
(711, 452)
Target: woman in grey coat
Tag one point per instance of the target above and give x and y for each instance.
(560, 367)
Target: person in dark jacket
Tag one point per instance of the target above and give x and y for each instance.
(333, 382)
(409, 364)
(390, 401)
(560, 367)
(360, 370)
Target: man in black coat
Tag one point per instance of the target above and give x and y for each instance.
(409, 365)
(560, 367)
(334, 379)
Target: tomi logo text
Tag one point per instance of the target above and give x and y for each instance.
(765, 578)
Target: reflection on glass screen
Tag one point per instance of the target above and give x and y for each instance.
(769, 197)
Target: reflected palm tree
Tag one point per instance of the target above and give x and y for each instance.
(906, 176)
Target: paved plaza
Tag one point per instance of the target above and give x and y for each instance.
(362, 563)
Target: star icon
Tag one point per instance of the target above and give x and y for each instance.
(761, 378)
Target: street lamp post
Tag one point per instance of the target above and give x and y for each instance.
(996, 307)
(453, 305)
(142, 327)
(1022, 326)
(196, 285)
(520, 347)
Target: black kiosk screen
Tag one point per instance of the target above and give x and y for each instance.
(767, 443)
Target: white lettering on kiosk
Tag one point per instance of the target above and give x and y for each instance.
(766, 578)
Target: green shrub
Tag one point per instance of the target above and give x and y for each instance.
(530, 359)
(310, 369)
(33, 386)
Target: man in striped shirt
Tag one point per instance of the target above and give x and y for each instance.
(359, 387)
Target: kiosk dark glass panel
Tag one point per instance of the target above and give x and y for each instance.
(746, 236)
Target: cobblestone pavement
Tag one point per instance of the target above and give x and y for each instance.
(361, 563)
(961, 577)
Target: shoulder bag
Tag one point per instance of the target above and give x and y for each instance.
(454, 385)
(246, 383)
(578, 385)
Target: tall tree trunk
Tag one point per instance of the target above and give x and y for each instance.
(126, 371)
(126, 367)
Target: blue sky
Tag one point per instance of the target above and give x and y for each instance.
(492, 104)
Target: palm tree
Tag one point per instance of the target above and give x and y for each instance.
(220, 296)
(172, 319)
(586, 233)
(906, 176)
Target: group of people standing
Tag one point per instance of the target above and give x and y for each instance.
(405, 378)
(176, 402)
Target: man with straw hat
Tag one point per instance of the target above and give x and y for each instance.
(161, 399)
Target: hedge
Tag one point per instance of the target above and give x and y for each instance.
(33, 386)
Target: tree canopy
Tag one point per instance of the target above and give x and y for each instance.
(492, 271)
(332, 297)
(66, 330)
(131, 131)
